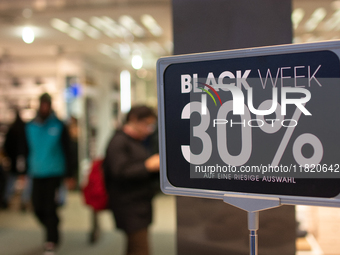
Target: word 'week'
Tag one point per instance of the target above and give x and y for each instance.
(190, 84)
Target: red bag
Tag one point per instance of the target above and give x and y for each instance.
(94, 192)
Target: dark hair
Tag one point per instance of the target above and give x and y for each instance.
(140, 112)
(46, 98)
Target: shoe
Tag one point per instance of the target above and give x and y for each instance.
(49, 248)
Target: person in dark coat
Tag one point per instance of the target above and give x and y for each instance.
(15, 149)
(129, 169)
(2, 182)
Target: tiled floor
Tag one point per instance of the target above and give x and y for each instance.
(20, 234)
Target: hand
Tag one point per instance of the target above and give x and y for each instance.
(152, 163)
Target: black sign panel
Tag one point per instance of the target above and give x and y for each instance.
(258, 121)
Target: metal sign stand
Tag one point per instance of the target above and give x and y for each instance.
(253, 205)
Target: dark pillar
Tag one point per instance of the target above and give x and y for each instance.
(210, 226)
(210, 25)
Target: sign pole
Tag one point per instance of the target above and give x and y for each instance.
(253, 205)
(253, 226)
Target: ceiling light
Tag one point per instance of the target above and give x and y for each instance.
(138, 31)
(28, 35)
(156, 31)
(78, 23)
(333, 21)
(109, 33)
(107, 21)
(75, 33)
(96, 22)
(151, 24)
(317, 16)
(137, 62)
(92, 32)
(148, 20)
(129, 23)
(60, 25)
(297, 16)
(112, 29)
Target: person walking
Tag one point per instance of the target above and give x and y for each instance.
(128, 170)
(16, 151)
(48, 164)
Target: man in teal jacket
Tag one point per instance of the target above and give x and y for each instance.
(48, 164)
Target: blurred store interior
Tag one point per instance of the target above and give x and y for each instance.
(81, 52)
(97, 58)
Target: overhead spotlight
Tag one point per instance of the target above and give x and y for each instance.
(137, 62)
(28, 35)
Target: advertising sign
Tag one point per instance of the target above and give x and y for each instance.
(260, 121)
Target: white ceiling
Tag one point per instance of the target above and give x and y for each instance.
(51, 42)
